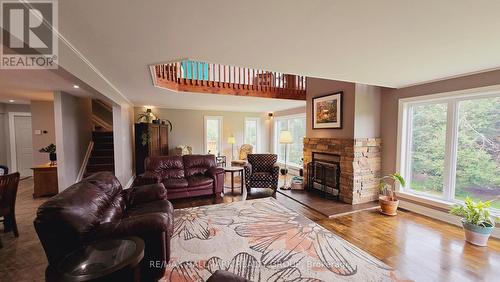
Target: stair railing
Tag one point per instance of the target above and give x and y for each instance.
(223, 77)
(85, 161)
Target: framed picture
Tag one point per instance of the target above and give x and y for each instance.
(327, 111)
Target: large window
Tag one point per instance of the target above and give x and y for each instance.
(213, 134)
(450, 147)
(297, 127)
(252, 130)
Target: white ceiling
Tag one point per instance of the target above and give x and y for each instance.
(390, 43)
(31, 85)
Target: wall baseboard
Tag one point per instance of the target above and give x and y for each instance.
(439, 215)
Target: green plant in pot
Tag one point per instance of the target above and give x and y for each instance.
(476, 220)
(387, 199)
(51, 150)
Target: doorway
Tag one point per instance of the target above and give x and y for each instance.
(21, 146)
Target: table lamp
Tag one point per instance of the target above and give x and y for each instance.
(285, 138)
(231, 140)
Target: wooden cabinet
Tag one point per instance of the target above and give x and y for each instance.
(156, 136)
(45, 180)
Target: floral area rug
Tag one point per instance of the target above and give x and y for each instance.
(262, 240)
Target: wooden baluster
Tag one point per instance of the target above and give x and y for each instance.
(218, 78)
(163, 71)
(239, 77)
(213, 75)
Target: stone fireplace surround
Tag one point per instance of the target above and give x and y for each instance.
(360, 165)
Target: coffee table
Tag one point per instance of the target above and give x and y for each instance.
(106, 260)
(232, 170)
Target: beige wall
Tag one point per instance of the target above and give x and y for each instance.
(367, 111)
(188, 128)
(73, 133)
(389, 109)
(42, 118)
(318, 87)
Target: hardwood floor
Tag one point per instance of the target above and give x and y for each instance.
(420, 248)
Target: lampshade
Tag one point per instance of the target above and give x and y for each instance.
(231, 140)
(285, 137)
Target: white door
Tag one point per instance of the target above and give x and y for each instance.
(24, 145)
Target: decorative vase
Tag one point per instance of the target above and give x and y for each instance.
(52, 158)
(387, 206)
(475, 234)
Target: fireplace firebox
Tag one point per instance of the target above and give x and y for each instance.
(324, 173)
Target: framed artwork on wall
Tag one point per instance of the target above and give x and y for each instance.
(327, 111)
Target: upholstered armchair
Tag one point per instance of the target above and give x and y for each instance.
(245, 150)
(261, 171)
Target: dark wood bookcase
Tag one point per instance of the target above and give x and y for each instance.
(158, 145)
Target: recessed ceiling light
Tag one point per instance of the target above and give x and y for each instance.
(76, 86)
(12, 101)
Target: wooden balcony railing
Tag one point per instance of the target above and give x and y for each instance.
(201, 77)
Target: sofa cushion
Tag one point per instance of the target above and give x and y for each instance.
(166, 166)
(199, 180)
(197, 164)
(261, 176)
(175, 183)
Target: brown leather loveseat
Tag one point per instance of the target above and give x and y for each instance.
(184, 176)
(97, 208)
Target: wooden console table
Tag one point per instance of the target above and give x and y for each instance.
(45, 180)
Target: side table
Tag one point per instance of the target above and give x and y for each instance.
(232, 170)
(106, 260)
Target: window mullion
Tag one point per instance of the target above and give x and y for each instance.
(451, 151)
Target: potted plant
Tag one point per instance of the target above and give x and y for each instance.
(387, 199)
(476, 220)
(51, 150)
(146, 117)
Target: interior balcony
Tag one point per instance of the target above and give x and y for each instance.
(202, 77)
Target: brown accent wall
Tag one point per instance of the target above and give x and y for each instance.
(317, 87)
(390, 99)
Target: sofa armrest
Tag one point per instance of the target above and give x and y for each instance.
(214, 171)
(148, 177)
(217, 174)
(275, 170)
(248, 172)
(146, 193)
(140, 225)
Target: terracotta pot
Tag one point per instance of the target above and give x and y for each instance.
(387, 206)
(476, 235)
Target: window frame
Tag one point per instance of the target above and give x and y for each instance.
(276, 136)
(403, 158)
(257, 135)
(220, 119)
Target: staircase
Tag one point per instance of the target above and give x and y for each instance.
(102, 156)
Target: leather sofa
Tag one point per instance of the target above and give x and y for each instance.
(98, 208)
(184, 176)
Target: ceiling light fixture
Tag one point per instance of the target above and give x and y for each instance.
(12, 101)
(76, 86)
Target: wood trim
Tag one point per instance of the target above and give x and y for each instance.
(85, 161)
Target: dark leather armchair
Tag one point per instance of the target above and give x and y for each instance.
(261, 171)
(8, 193)
(97, 208)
